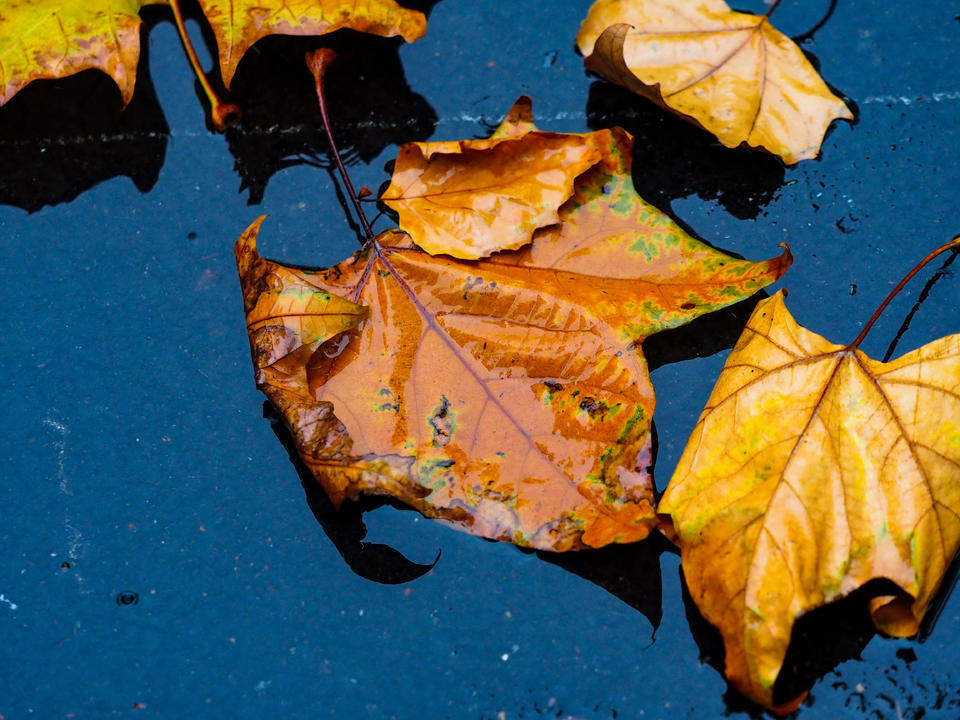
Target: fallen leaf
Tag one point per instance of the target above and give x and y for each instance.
(238, 24)
(472, 198)
(54, 39)
(506, 396)
(732, 73)
(813, 470)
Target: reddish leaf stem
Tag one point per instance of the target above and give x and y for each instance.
(866, 328)
(317, 62)
(222, 113)
(770, 10)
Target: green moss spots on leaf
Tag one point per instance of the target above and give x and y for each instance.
(623, 205)
(629, 426)
(640, 246)
(435, 473)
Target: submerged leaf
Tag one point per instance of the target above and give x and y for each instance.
(507, 396)
(813, 470)
(472, 198)
(732, 73)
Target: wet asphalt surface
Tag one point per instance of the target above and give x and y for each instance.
(159, 556)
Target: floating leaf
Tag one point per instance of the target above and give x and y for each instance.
(730, 72)
(506, 396)
(238, 24)
(813, 470)
(53, 39)
(472, 198)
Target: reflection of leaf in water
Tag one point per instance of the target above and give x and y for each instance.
(345, 528)
(371, 106)
(674, 159)
(59, 138)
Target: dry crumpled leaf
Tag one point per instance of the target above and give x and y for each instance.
(52, 38)
(812, 470)
(730, 72)
(506, 396)
(238, 24)
(472, 198)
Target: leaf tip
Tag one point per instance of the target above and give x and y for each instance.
(784, 261)
(245, 249)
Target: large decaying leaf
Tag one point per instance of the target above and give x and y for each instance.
(471, 198)
(238, 24)
(507, 396)
(812, 470)
(51, 39)
(732, 73)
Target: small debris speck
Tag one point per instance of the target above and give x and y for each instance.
(127, 597)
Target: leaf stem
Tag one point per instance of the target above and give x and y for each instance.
(808, 35)
(919, 266)
(769, 12)
(318, 61)
(222, 113)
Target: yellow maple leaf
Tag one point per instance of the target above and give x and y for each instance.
(238, 24)
(52, 39)
(732, 73)
(812, 470)
(45, 39)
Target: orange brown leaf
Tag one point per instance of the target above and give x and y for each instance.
(813, 470)
(732, 73)
(472, 198)
(506, 396)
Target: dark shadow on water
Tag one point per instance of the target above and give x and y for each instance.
(345, 527)
(371, 106)
(815, 28)
(424, 6)
(674, 159)
(821, 640)
(942, 272)
(939, 601)
(705, 336)
(629, 572)
(59, 138)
